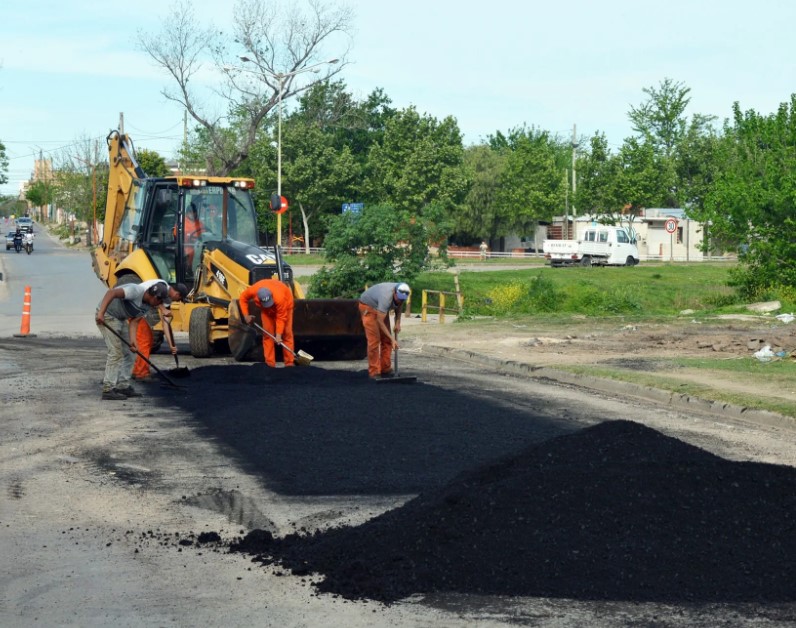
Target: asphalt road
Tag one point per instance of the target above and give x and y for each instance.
(103, 502)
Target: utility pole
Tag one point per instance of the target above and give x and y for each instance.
(574, 186)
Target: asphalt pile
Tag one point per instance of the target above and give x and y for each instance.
(616, 511)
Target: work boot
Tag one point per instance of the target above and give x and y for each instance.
(128, 392)
(388, 375)
(112, 395)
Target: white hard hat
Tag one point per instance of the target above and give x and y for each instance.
(402, 291)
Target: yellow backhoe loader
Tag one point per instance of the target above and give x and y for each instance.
(202, 231)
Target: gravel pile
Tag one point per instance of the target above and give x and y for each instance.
(617, 511)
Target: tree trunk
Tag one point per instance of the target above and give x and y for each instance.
(305, 219)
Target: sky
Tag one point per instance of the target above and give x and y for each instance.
(69, 69)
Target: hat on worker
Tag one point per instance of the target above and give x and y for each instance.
(160, 290)
(402, 291)
(182, 289)
(265, 296)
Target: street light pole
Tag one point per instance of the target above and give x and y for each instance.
(280, 77)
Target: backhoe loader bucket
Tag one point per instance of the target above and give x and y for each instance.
(329, 329)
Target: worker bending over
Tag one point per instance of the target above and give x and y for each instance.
(275, 300)
(375, 305)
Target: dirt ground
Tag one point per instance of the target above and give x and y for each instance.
(639, 347)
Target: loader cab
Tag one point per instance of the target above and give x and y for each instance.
(173, 222)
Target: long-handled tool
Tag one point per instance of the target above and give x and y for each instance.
(143, 357)
(302, 357)
(178, 371)
(395, 379)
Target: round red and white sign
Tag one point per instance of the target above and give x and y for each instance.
(670, 225)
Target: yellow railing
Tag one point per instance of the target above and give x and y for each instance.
(440, 306)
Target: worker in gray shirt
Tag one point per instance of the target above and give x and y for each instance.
(122, 307)
(375, 305)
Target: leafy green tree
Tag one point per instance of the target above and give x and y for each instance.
(597, 172)
(3, 164)
(152, 163)
(40, 193)
(532, 182)
(418, 162)
(752, 203)
(382, 243)
(476, 218)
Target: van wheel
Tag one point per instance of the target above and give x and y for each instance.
(630, 261)
(585, 260)
(199, 332)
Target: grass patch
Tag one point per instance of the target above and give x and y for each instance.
(647, 290)
(748, 370)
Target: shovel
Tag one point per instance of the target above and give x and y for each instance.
(395, 379)
(302, 357)
(143, 357)
(178, 371)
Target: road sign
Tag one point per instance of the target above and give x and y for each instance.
(671, 225)
(355, 208)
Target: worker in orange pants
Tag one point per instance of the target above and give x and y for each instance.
(375, 305)
(275, 300)
(143, 340)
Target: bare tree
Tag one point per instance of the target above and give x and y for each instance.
(275, 47)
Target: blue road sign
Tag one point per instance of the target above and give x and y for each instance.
(355, 208)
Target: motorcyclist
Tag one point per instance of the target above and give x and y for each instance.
(18, 240)
(29, 241)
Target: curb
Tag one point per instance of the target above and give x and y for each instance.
(673, 400)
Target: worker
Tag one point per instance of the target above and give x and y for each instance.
(275, 300)
(484, 248)
(375, 305)
(145, 339)
(192, 234)
(120, 305)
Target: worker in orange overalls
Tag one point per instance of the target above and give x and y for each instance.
(193, 231)
(144, 338)
(275, 300)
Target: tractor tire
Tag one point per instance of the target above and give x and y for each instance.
(199, 332)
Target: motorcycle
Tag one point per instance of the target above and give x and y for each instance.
(29, 243)
(17, 242)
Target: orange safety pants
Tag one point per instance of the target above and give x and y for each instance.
(379, 345)
(269, 346)
(144, 340)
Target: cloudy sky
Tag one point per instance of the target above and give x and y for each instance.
(67, 70)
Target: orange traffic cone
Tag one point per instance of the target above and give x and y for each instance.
(24, 328)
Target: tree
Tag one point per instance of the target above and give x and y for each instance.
(325, 142)
(152, 163)
(752, 203)
(476, 217)
(3, 164)
(383, 243)
(661, 122)
(80, 180)
(532, 183)
(39, 193)
(277, 45)
(417, 162)
(597, 171)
